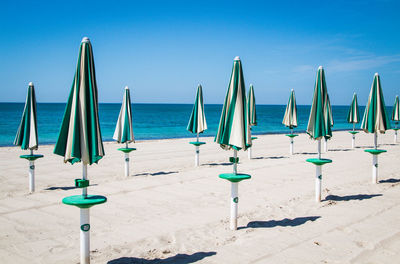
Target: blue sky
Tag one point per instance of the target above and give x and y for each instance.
(163, 49)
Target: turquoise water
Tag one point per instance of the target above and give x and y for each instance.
(154, 121)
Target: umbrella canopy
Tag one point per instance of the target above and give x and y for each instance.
(234, 130)
(320, 120)
(329, 109)
(353, 116)
(251, 107)
(375, 117)
(197, 122)
(290, 117)
(27, 136)
(396, 110)
(80, 137)
(124, 130)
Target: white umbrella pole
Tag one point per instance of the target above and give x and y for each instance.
(291, 142)
(197, 157)
(126, 161)
(234, 205)
(85, 235)
(249, 152)
(353, 140)
(84, 225)
(31, 175)
(318, 176)
(326, 145)
(395, 133)
(375, 140)
(375, 161)
(235, 163)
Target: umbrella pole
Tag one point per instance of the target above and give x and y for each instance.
(326, 145)
(395, 133)
(31, 175)
(126, 161)
(353, 140)
(291, 142)
(84, 224)
(234, 205)
(318, 174)
(197, 157)
(249, 154)
(375, 161)
(235, 163)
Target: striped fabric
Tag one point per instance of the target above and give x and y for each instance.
(353, 116)
(124, 130)
(290, 117)
(197, 122)
(234, 130)
(320, 120)
(375, 117)
(329, 109)
(27, 136)
(251, 107)
(396, 110)
(80, 137)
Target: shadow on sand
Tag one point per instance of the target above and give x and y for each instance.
(391, 180)
(351, 197)
(277, 157)
(64, 188)
(155, 173)
(306, 153)
(177, 259)
(339, 149)
(219, 164)
(284, 222)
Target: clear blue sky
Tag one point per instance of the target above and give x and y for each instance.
(163, 49)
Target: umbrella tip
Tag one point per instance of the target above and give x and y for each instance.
(85, 39)
(30, 83)
(292, 90)
(320, 68)
(376, 74)
(126, 88)
(236, 58)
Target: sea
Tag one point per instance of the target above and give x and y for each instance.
(157, 121)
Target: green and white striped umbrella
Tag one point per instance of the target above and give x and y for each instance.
(124, 130)
(329, 108)
(353, 116)
(80, 137)
(319, 122)
(27, 136)
(251, 107)
(396, 110)
(290, 117)
(197, 122)
(375, 117)
(234, 130)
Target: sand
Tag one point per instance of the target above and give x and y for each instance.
(168, 211)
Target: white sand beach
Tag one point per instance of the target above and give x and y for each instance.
(168, 211)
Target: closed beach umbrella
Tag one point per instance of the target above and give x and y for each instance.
(234, 132)
(79, 139)
(252, 114)
(290, 118)
(396, 116)
(375, 120)
(27, 136)
(197, 122)
(330, 118)
(353, 117)
(123, 130)
(319, 124)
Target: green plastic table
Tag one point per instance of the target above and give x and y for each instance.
(319, 162)
(396, 129)
(291, 135)
(31, 157)
(197, 143)
(84, 202)
(126, 150)
(375, 151)
(354, 132)
(252, 138)
(232, 177)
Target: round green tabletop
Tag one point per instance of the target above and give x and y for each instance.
(395, 129)
(234, 177)
(84, 202)
(375, 151)
(126, 150)
(197, 143)
(252, 138)
(291, 135)
(319, 162)
(354, 132)
(31, 157)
